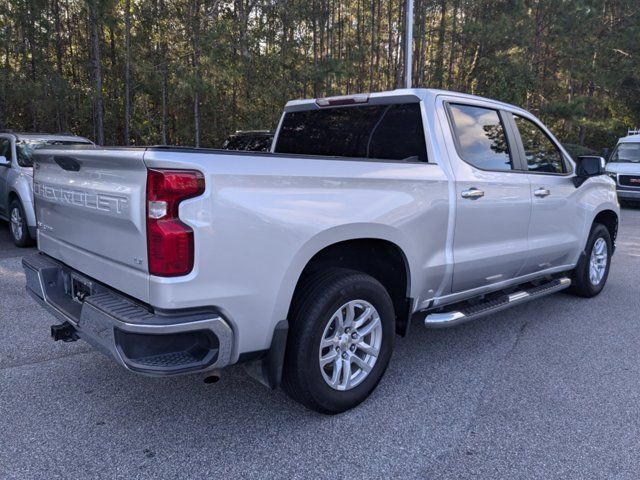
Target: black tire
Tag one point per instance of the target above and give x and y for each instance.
(317, 299)
(581, 284)
(21, 239)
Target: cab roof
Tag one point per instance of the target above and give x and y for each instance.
(58, 137)
(630, 139)
(399, 95)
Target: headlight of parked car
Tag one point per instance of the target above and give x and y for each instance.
(613, 175)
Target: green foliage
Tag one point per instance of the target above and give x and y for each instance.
(574, 63)
(577, 150)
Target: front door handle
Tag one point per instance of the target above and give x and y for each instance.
(542, 192)
(472, 194)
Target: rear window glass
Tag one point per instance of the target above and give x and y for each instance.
(481, 137)
(387, 132)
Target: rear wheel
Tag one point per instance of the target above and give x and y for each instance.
(18, 225)
(592, 271)
(341, 335)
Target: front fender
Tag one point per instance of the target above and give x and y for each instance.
(600, 196)
(21, 185)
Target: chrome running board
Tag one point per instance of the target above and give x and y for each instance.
(487, 307)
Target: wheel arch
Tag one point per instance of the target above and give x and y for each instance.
(13, 195)
(20, 192)
(608, 218)
(314, 252)
(379, 256)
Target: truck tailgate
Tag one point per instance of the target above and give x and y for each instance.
(90, 208)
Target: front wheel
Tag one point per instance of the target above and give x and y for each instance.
(18, 225)
(592, 270)
(341, 335)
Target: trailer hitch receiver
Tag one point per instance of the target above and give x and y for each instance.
(65, 332)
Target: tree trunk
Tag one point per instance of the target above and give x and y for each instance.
(60, 110)
(165, 75)
(439, 73)
(243, 10)
(32, 62)
(127, 71)
(400, 49)
(373, 43)
(452, 46)
(94, 21)
(196, 72)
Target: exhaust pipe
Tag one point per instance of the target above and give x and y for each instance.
(65, 332)
(212, 377)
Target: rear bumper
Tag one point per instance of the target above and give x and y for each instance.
(138, 338)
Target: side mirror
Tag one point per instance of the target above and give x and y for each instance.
(588, 166)
(4, 162)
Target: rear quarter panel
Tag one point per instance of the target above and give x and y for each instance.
(263, 217)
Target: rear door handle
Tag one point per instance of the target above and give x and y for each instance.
(472, 194)
(542, 192)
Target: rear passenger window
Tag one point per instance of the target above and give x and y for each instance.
(541, 153)
(5, 148)
(386, 132)
(399, 136)
(481, 137)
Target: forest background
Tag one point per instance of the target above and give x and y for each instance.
(190, 72)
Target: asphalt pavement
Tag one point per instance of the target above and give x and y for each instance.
(550, 389)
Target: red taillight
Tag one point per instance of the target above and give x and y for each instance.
(169, 241)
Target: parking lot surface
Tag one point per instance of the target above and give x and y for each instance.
(550, 389)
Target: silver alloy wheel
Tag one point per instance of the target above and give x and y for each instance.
(598, 261)
(16, 224)
(350, 345)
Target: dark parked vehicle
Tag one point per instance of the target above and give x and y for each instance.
(249, 140)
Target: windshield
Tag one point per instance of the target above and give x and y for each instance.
(626, 153)
(25, 148)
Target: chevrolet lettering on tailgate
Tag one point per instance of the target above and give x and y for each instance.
(96, 201)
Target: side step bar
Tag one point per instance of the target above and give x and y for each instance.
(462, 315)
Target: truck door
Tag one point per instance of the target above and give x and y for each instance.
(5, 151)
(493, 198)
(556, 220)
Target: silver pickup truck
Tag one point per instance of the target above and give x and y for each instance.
(303, 263)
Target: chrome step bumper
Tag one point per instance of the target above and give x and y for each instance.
(482, 309)
(135, 336)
